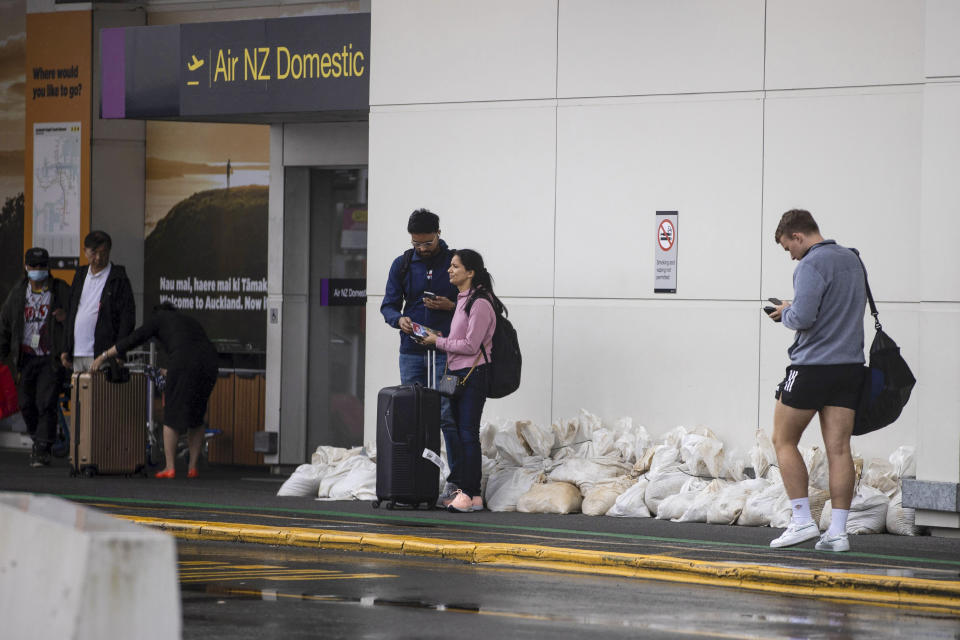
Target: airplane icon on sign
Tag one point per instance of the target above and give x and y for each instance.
(194, 64)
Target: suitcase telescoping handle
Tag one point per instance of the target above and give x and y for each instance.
(431, 368)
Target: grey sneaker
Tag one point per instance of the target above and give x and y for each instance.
(449, 491)
(795, 534)
(833, 543)
(39, 456)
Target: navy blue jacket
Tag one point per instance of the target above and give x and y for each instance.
(406, 298)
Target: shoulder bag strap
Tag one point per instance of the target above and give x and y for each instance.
(866, 282)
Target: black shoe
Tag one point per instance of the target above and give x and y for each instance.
(40, 456)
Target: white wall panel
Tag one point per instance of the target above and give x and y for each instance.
(458, 51)
(487, 171)
(620, 161)
(937, 400)
(942, 38)
(901, 322)
(616, 48)
(664, 363)
(825, 43)
(852, 160)
(941, 192)
(533, 320)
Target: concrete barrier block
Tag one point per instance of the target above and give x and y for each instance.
(68, 571)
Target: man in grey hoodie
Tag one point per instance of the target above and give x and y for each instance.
(825, 373)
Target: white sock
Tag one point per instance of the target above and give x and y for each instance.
(838, 522)
(801, 511)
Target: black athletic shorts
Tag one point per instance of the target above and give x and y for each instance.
(814, 386)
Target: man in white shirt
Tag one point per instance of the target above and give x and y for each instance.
(102, 309)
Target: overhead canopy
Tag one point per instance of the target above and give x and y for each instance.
(314, 68)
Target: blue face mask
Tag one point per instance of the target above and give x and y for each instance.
(37, 274)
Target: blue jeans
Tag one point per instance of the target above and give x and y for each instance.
(463, 438)
(413, 369)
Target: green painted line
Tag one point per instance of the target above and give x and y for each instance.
(488, 525)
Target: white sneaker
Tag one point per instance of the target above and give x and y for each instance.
(833, 543)
(796, 533)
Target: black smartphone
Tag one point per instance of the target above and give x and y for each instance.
(769, 310)
(776, 301)
(430, 294)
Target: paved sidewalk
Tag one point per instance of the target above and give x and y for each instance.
(229, 503)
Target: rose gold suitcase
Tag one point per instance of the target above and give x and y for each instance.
(109, 425)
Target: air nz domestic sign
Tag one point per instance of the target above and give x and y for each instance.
(284, 65)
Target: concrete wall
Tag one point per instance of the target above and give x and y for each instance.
(547, 133)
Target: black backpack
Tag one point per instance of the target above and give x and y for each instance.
(504, 375)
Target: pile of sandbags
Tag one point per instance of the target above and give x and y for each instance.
(580, 464)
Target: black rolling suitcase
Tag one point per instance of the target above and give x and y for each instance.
(408, 445)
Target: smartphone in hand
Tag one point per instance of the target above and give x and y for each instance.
(768, 310)
(430, 295)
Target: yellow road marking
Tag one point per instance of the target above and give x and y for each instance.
(929, 595)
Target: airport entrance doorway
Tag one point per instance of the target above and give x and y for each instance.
(336, 201)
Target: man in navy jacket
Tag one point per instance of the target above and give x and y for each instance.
(417, 271)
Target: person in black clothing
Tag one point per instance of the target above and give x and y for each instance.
(102, 309)
(191, 374)
(31, 337)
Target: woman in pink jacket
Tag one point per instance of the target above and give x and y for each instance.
(469, 349)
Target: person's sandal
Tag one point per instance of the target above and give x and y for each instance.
(193, 473)
(166, 475)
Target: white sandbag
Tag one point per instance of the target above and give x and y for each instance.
(900, 519)
(672, 507)
(632, 440)
(728, 504)
(598, 499)
(817, 468)
(602, 444)
(868, 512)
(672, 437)
(630, 504)
(782, 512)
(881, 475)
(506, 484)
(734, 466)
(487, 467)
(303, 482)
(762, 454)
(701, 455)
(552, 497)
(358, 483)
(904, 464)
(665, 481)
(538, 440)
(664, 455)
(643, 461)
(510, 448)
(698, 509)
(761, 505)
(333, 455)
(587, 472)
(488, 431)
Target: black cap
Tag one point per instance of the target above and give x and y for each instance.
(37, 257)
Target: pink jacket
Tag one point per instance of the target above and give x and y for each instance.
(467, 333)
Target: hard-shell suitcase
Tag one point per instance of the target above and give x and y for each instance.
(109, 425)
(408, 445)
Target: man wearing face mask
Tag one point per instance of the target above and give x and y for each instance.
(32, 333)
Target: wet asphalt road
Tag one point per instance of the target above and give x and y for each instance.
(250, 591)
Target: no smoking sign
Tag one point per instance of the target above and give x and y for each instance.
(665, 260)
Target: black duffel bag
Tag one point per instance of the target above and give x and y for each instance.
(887, 382)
